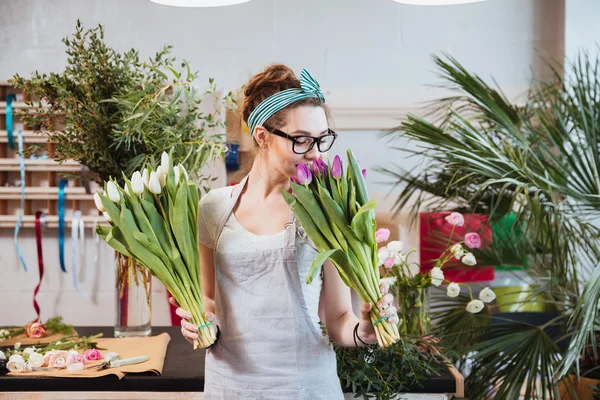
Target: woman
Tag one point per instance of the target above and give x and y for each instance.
(255, 259)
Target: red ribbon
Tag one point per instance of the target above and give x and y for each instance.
(38, 239)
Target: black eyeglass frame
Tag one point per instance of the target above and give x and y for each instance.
(318, 141)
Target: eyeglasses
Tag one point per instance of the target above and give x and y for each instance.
(303, 144)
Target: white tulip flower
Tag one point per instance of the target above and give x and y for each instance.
(164, 162)
(146, 177)
(162, 175)
(98, 202)
(137, 183)
(154, 183)
(113, 192)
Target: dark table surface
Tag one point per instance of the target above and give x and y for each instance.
(183, 371)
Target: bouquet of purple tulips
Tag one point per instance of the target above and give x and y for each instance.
(333, 207)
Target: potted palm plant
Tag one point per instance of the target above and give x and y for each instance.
(539, 162)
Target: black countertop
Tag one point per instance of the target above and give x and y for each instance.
(183, 371)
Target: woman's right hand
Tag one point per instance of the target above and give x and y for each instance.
(188, 329)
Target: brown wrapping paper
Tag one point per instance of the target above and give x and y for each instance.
(27, 341)
(155, 347)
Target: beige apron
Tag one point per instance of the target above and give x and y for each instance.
(269, 348)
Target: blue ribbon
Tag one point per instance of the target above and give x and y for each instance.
(19, 220)
(9, 119)
(61, 223)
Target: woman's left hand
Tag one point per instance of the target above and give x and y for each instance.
(366, 331)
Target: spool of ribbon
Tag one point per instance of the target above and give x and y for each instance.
(40, 224)
(21, 207)
(9, 119)
(61, 223)
(77, 233)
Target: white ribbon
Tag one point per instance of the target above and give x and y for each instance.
(77, 230)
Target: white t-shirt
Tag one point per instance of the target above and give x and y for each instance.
(234, 237)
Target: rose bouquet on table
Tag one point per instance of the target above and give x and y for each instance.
(410, 284)
(333, 207)
(153, 219)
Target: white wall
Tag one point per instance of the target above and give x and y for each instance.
(371, 56)
(582, 27)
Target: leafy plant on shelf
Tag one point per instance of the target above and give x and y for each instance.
(113, 113)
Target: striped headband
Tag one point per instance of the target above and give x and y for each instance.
(271, 105)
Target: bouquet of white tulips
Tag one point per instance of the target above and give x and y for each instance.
(334, 209)
(153, 219)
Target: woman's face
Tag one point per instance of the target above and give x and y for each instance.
(301, 121)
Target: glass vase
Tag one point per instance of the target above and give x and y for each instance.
(413, 310)
(133, 301)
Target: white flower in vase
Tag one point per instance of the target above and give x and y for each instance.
(395, 247)
(474, 306)
(458, 251)
(383, 255)
(487, 295)
(469, 259)
(437, 276)
(453, 290)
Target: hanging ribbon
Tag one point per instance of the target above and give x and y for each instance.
(40, 223)
(76, 233)
(96, 257)
(20, 218)
(9, 119)
(82, 262)
(61, 223)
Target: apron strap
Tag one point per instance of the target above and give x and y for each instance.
(290, 226)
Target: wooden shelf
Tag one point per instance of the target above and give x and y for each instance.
(28, 221)
(16, 105)
(7, 164)
(28, 137)
(41, 193)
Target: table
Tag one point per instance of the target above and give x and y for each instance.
(182, 378)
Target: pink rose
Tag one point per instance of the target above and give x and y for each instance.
(35, 330)
(75, 358)
(47, 357)
(455, 219)
(389, 262)
(58, 359)
(472, 240)
(92, 355)
(382, 235)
